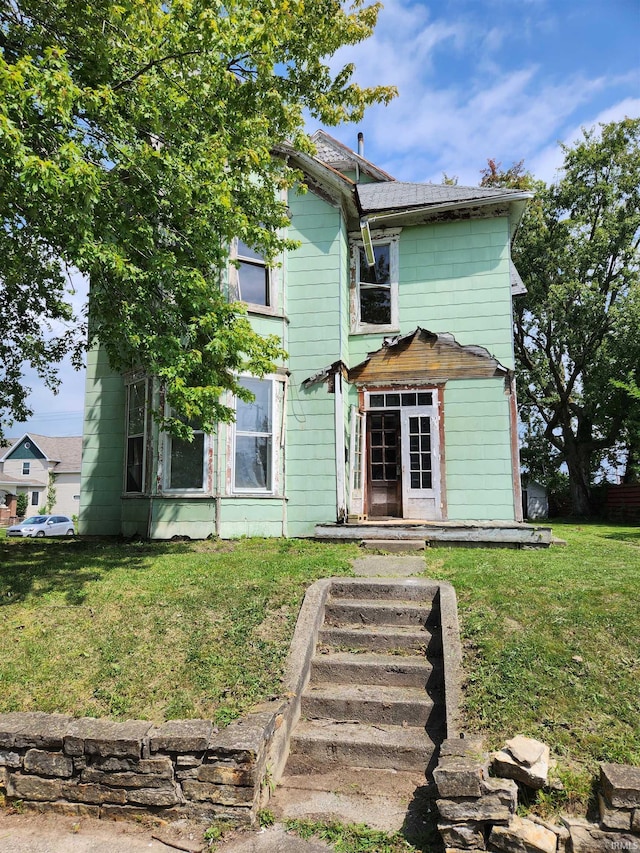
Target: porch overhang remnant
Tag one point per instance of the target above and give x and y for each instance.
(418, 357)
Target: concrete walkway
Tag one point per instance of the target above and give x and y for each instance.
(35, 833)
(388, 566)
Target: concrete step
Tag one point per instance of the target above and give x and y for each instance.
(383, 799)
(395, 706)
(376, 638)
(371, 668)
(318, 745)
(407, 589)
(362, 611)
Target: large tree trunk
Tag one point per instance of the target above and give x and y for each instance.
(578, 457)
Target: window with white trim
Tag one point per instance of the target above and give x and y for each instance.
(136, 428)
(26, 469)
(253, 439)
(374, 303)
(35, 498)
(185, 463)
(254, 282)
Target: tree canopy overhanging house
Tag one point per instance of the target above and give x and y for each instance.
(135, 142)
(394, 395)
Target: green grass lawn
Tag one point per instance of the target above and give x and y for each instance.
(168, 630)
(151, 630)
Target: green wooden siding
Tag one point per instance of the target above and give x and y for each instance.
(317, 301)
(252, 517)
(454, 277)
(478, 450)
(102, 448)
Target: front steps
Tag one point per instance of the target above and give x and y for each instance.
(374, 711)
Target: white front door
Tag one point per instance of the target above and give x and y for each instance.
(421, 462)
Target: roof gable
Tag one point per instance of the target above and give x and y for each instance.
(339, 156)
(65, 451)
(24, 448)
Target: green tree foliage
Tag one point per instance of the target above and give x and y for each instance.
(576, 331)
(22, 502)
(136, 141)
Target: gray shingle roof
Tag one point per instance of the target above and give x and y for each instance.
(396, 195)
(334, 153)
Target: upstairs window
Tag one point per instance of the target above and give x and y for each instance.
(374, 299)
(253, 276)
(26, 468)
(374, 284)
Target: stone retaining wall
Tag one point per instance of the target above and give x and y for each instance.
(182, 768)
(478, 812)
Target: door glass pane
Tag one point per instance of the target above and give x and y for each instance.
(420, 459)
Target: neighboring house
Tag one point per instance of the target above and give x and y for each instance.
(43, 467)
(397, 400)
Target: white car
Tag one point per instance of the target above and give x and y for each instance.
(43, 525)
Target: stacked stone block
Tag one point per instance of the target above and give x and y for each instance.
(477, 813)
(182, 768)
(469, 802)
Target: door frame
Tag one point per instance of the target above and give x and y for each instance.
(435, 411)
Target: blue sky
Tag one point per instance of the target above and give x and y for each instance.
(477, 79)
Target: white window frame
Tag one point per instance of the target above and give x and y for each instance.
(262, 264)
(26, 469)
(136, 380)
(271, 486)
(389, 238)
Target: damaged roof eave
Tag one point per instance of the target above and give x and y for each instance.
(335, 184)
(516, 201)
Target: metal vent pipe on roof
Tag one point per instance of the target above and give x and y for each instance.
(361, 144)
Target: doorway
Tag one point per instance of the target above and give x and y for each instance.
(384, 467)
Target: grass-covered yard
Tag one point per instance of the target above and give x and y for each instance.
(166, 630)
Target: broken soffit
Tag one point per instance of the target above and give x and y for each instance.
(425, 356)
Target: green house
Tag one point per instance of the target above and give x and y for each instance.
(397, 399)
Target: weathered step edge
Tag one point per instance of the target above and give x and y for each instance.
(343, 612)
(395, 706)
(326, 743)
(374, 668)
